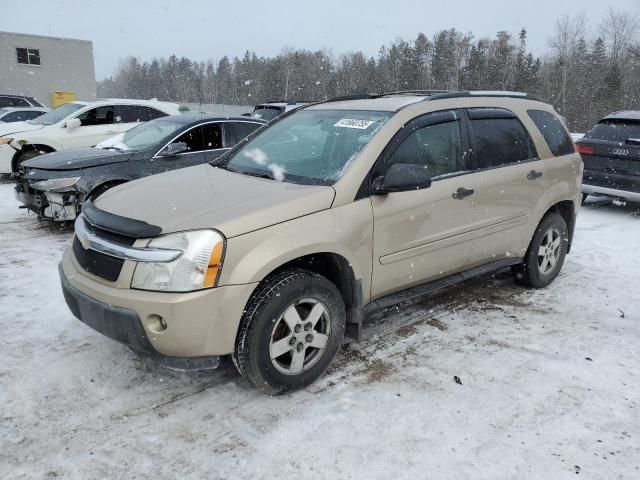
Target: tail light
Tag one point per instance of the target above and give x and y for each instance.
(584, 149)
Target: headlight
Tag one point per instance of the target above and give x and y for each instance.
(197, 268)
(5, 141)
(56, 184)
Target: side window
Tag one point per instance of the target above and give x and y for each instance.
(212, 136)
(19, 102)
(437, 147)
(553, 131)
(499, 141)
(19, 116)
(97, 116)
(239, 130)
(136, 113)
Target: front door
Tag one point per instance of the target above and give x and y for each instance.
(96, 125)
(204, 143)
(424, 234)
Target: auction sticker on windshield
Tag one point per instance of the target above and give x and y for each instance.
(354, 123)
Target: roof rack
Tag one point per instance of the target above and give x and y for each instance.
(484, 93)
(426, 93)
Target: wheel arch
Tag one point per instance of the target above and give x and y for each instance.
(566, 209)
(338, 270)
(102, 186)
(29, 147)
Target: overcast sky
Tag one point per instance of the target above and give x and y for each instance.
(202, 29)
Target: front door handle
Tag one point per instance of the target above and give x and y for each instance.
(532, 175)
(462, 193)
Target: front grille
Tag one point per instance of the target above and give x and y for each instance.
(107, 235)
(97, 263)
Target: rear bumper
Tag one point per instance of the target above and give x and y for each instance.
(611, 192)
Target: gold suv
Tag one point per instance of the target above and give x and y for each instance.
(277, 250)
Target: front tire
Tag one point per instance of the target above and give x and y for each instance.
(546, 253)
(292, 328)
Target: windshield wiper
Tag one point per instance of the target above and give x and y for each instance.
(265, 174)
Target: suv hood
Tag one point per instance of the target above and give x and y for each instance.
(17, 127)
(75, 159)
(207, 197)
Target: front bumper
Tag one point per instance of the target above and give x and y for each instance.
(6, 157)
(60, 207)
(195, 324)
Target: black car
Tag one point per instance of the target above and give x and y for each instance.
(56, 184)
(611, 155)
(18, 101)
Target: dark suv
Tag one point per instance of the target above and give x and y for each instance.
(611, 155)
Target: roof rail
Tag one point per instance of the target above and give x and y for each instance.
(356, 96)
(416, 92)
(484, 93)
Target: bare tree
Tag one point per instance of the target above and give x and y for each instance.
(619, 30)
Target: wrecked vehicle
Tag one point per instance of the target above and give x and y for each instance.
(277, 250)
(56, 185)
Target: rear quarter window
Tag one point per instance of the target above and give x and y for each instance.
(553, 131)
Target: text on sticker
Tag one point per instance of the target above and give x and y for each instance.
(354, 123)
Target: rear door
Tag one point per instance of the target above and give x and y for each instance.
(611, 155)
(128, 116)
(424, 234)
(510, 183)
(204, 143)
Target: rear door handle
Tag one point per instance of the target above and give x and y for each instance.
(532, 175)
(462, 193)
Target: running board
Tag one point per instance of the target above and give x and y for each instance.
(430, 287)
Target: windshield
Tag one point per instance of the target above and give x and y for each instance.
(267, 112)
(615, 130)
(143, 136)
(309, 146)
(57, 114)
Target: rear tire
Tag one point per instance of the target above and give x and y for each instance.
(292, 328)
(546, 253)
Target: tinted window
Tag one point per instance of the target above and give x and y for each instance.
(13, 102)
(97, 116)
(553, 131)
(615, 130)
(500, 141)
(436, 147)
(203, 137)
(136, 113)
(267, 113)
(240, 130)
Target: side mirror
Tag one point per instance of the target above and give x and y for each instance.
(173, 149)
(401, 177)
(72, 124)
(246, 114)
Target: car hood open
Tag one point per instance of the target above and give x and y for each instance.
(208, 197)
(7, 129)
(75, 159)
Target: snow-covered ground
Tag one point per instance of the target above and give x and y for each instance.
(550, 382)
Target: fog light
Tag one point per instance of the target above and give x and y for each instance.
(156, 323)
